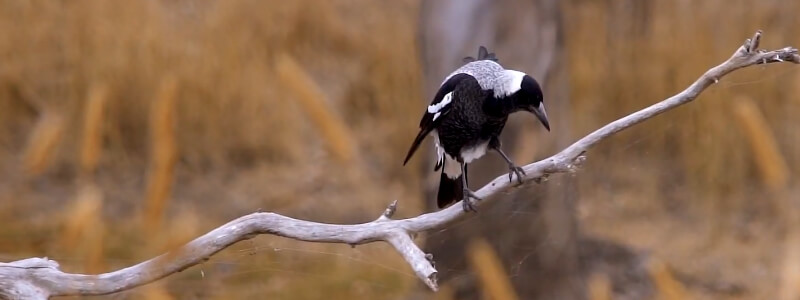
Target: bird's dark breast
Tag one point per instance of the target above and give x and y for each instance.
(467, 124)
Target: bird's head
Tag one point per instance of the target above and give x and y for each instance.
(528, 96)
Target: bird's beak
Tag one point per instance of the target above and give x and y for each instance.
(541, 114)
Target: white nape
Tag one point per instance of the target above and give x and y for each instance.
(510, 83)
(437, 107)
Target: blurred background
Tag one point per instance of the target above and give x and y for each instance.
(128, 129)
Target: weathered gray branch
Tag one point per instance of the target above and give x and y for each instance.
(40, 278)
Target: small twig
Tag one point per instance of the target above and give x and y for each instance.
(389, 212)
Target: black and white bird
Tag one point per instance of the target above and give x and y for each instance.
(468, 114)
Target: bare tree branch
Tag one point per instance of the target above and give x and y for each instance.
(40, 278)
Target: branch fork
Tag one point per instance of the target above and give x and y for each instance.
(40, 278)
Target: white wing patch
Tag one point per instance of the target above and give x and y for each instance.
(436, 108)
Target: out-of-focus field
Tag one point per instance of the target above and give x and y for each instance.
(126, 130)
(707, 188)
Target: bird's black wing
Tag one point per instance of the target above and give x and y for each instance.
(440, 106)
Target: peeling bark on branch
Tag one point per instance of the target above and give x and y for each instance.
(40, 278)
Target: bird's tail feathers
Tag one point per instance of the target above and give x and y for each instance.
(450, 190)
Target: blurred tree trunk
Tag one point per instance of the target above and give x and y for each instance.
(534, 232)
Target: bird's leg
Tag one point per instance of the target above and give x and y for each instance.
(468, 194)
(511, 166)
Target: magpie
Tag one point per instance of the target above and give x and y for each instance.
(468, 114)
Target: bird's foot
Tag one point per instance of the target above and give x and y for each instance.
(514, 170)
(467, 203)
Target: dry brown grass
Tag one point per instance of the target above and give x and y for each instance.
(494, 280)
(338, 138)
(667, 288)
(84, 229)
(42, 143)
(686, 184)
(163, 156)
(91, 143)
(599, 287)
(769, 160)
(790, 274)
(85, 88)
(181, 104)
(643, 56)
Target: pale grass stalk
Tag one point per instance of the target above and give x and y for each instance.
(91, 143)
(84, 229)
(80, 215)
(42, 143)
(767, 155)
(775, 176)
(163, 155)
(599, 287)
(489, 269)
(337, 136)
(95, 252)
(667, 288)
